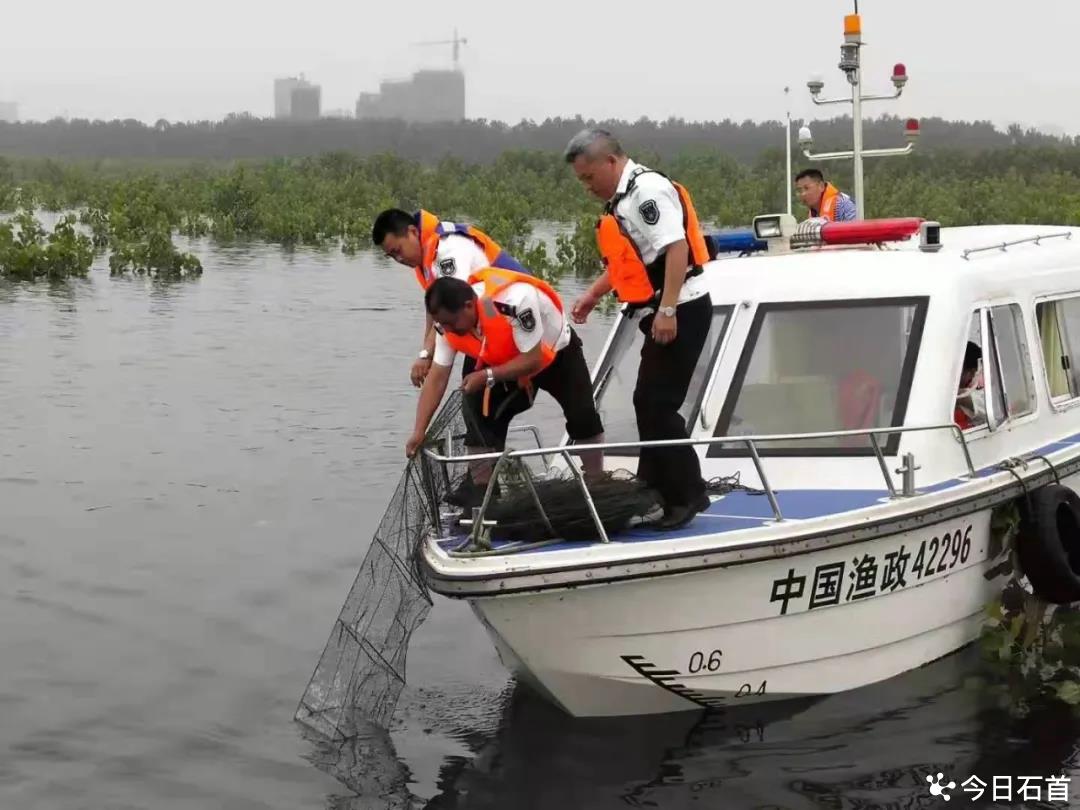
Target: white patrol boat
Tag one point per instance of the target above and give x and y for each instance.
(858, 544)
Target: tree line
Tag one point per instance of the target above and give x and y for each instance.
(473, 141)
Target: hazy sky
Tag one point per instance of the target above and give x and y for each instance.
(968, 59)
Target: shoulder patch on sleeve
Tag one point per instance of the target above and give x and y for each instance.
(447, 267)
(650, 212)
(527, 319)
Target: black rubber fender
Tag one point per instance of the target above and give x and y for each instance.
(1048, 545)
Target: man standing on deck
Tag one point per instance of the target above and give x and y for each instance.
(436, 249)
(514, 328)
(822, 198)
(653, 252)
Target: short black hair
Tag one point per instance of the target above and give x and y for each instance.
(972, 356)
(449, 294)
(391, 221)
(813, 174)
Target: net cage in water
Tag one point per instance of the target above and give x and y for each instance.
(361, 672)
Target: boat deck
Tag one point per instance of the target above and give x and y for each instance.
(741, 510)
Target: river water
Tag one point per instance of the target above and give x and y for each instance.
(190, 474)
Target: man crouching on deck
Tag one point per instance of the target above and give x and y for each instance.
(514, 326)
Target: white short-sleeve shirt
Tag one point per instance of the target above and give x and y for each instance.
(458, 256)
(653, 217)
(537, 319)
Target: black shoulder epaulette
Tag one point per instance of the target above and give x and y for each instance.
(506, 309)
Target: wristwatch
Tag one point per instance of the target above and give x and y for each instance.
(490, 378)
(424, 354)
(668, 312)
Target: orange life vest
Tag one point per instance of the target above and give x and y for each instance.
(432, 230)
(632, 280)
(960, 417)
(496, 344)
(828, 202)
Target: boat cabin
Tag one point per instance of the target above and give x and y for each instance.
(832, 338)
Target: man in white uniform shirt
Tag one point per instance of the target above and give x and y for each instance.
(654, 252)
(436, 249)
(539, 346)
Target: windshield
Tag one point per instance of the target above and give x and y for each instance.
(617, 376)
(813, 367)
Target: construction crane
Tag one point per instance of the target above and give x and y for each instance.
(456, 42)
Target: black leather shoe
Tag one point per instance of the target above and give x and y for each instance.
(676, 517)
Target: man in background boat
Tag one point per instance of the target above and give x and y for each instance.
(822, 198)
(436, 249)
(514, 327)
(654, 255)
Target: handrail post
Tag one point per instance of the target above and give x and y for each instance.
(907, 472)
(883, 465)
(764, 481)
(535, 495)
(536, 438)
(588, 497)
(478, 517)
(963, 446)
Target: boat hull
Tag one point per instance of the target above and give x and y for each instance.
(790, 627)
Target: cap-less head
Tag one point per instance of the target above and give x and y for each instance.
(396, 232)
(452, 303)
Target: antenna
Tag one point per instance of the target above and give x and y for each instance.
(851, 65)
(456, 42)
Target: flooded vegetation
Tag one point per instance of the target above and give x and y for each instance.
(331, 200)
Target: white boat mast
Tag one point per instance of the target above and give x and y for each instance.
(787, 145)
(850, 64)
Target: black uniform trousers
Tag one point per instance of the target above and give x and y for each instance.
(662, 383)
(567, 380)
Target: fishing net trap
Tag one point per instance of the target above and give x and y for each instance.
(361, 673)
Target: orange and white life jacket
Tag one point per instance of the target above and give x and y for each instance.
(633, 281)
(432, 230)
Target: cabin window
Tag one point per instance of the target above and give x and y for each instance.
(616, 378)
(1005, 388)
(1059, 332)
(1013, 387)
(824, 366)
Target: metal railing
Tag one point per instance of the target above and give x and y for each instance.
(1006, 245)
(751, 443)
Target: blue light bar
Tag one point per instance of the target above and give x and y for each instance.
(738, 241)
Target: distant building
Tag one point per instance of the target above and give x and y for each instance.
(430, 95)
(341, 113)
(306, 103)
(9, 111)
(283, 96)
(367, 105)
(296, 98)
